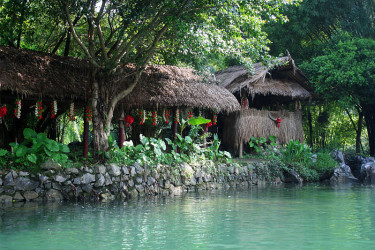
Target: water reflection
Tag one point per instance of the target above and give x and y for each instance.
(269, 217)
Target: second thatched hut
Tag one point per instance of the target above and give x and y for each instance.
(270, 100)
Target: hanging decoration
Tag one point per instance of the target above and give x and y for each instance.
(177, 116)
(53, 109)
(154, 118)
(17, 110)
(39, 109)
(244, 102)
(3, 112)
(88, 113)
(278, 121)
(128, 120)
(166, 116)
(190, 114)
(142, 116)
(208, 124)
(72, 112)
(214, 118)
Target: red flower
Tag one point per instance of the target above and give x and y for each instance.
(209, 124)
(278, 121)
(3, 111)
(40, 117)
(129, 119)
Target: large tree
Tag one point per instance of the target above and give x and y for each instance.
(115, 32)
(346, 73)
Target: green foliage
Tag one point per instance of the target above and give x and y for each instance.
(36, 148)
(260, 143)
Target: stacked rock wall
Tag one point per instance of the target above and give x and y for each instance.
(111, 181)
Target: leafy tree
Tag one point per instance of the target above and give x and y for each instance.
(113, 33)
(346, 72)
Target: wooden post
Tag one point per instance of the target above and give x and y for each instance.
(240, 153)
(174, 125)
(85, 137)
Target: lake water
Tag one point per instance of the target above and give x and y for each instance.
(308, 217)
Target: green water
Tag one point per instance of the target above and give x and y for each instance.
(309, 217)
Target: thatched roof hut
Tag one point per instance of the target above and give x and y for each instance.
(265, 96)
(31, 73)
(283, 81)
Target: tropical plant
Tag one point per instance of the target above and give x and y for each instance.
(36, 148)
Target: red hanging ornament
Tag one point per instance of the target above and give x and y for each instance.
(278, 121)
(177, 116)
(128, 120)
(214, 118)
(53, 109)
(17, 110)
(166, 116)
(244, 102)
(39, 110)
(88, 113)
(209, 124)
(3, 111)
(190, 115)
(142, 117)
(154, 118)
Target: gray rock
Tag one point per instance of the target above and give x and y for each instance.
(23, 174)
(100, 169)
(1, 182)
(131, 183)
(8, 180)
(292, 176)
(87, 188)
(132, 171)
(77, 181)
(5, 199)
(54, 195)
(87, 178)
(355, 163)
(50, 164)
(48, 185)
(186, 170)
(60, 178)
(18, 197)
(139, 180)
(138, 168)
(231, 169)
(70, 171)
(30, 195)
(56, 186)
(343, 174)
(14, 173)
(125, 170)
(108, 180)
(368, 173)
(88, 170)
(22, 183)
(150, 181)
(113, 169)
(42, 178)
(337, 156)
(140, 188)
(314, 157)
(100, 180)
(198, 174)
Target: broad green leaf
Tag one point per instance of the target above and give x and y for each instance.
(3, 152)
(28, 133)
(21, 151)
(32, 158)
(64, 148)
(198, 121)
(42, 137)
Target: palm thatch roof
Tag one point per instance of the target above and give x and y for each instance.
(282, 79)
(170, 86)
(32, 73)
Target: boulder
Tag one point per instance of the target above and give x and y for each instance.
(42, 178)
(18, 197)
(292, 176)
(150, 181)
(100, 169)
(113, 169)
(8, 180)
(23, 174)
(368, 173)
(77, 181)
(186, 170)
(338, 156)
(70, 171)
(138, 168)
(343, 174)
(60, 178)
(30, 195)
(108, 180)
(100, 180)
(50, 165)
(1, 181)
(22, 183)
(87, 178)
(87, 188)
(54, 195)
(132, 171)
(125, 170)
(5, 199)
(139, 180)
(355, 163)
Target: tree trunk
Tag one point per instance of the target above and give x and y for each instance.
(85, 138)
(358, 143)
(309, 118)
(369, 114)
(121, 129)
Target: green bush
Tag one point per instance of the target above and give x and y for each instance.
(36, 148)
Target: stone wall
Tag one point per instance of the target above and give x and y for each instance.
(108, 182)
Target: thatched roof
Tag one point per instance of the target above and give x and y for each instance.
(170, 86)
(31, 73)
(283, 79)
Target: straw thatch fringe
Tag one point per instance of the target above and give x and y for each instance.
(242, 125)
